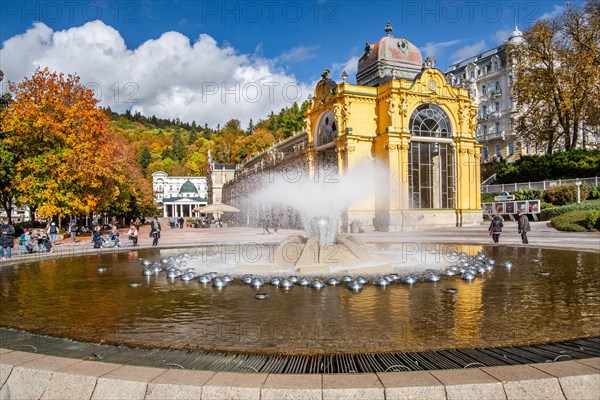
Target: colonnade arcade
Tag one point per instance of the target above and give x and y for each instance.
(186, 210)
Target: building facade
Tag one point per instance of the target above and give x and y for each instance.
(488, 77)
(216, 177)
(178, 196)
(403, 114)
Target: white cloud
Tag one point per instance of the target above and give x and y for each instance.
(349, 66)
(300, 53)
(433, 49)
(556, 11)
(168, 76)
(468, 51)
(502, 35)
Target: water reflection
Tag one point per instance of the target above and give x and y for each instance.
(547, 295)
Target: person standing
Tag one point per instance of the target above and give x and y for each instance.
(73, 230)
(523, 226)
(496, 228)
(53, 232)
(7, 231)
(265, 224)
(155, 231)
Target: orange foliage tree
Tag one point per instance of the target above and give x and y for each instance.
(67, 160)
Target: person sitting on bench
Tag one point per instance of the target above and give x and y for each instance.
(98, 238)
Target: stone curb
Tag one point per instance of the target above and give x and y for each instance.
(26, 375)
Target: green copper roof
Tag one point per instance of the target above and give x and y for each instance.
(188, 187)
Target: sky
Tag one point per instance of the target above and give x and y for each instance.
(211, 61)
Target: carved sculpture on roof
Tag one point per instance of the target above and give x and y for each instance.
(367, 49)
(429, 63)
(344, 76)
(326, 86)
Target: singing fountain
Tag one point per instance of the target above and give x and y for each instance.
(225, 308)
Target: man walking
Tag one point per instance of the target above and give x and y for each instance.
(523, 226)
(155, 231)
(53, 232)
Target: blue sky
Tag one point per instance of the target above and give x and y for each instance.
(214, 60)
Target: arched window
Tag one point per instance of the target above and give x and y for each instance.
(431, 159)
(430, 120)
(326, 130)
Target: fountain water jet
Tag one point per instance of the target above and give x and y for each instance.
(319, 195)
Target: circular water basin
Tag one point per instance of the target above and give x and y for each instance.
(547, 295)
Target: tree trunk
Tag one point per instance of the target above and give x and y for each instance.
(32, 211)
(575, 135)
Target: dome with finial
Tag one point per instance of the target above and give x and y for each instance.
(387, 58)
(516, 36)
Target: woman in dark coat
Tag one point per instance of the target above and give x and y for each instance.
(495, 228)
(7, 231)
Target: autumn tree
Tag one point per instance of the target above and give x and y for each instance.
(177, 147)
(145, 157)
(292, 120)
(556, 76)
(7, 171)
(67, 161)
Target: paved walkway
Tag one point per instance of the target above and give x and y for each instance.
(541, 235)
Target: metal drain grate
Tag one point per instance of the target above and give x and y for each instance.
(302, 364)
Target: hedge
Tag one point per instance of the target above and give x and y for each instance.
(550, 213)
(576, 221)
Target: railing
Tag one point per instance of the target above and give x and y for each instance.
(543, 185)
(495, 92)
(490, 136)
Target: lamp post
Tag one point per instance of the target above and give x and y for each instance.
(578, 183)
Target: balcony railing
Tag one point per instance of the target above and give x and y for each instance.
(491, 136)
(495, 92)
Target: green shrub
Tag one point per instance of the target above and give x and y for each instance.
(550, 213)
(573, 221)
(546, 205)
(488, 197)
(594, 192)
(528, 194)
(565, 194)
(592, 221)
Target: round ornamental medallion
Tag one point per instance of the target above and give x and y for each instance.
(431, 84)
